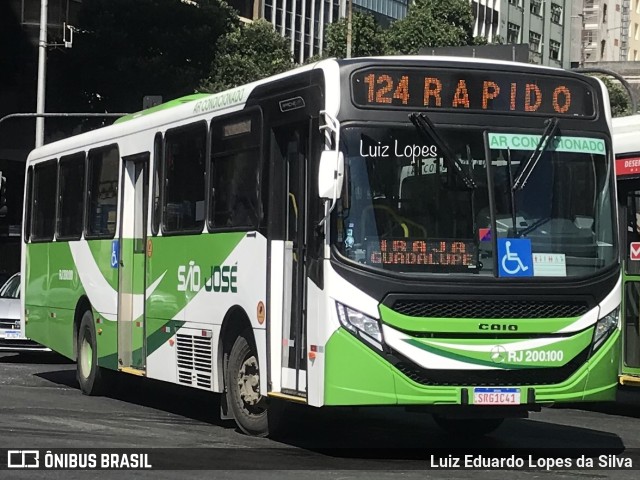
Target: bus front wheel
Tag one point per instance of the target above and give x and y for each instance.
(475, 427)
(249, 408)
(88, 373)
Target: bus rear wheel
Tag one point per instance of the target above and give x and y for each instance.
(88, 373)
(248, 407)
(474, 427)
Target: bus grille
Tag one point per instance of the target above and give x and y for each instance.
(489, 309)
(194, 359)
(525, 376)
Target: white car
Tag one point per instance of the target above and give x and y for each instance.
(11, 333)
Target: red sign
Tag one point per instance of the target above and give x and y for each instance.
(627, 166)
(634, 251)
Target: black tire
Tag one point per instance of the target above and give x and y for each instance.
(242, 378)
(469, 427)
(88, 373)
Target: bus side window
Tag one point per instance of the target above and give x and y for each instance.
(157, 183)
(235, 171)
(71, 196)
(184, 178)
(28, 205)
(44, 201)
(102, 192)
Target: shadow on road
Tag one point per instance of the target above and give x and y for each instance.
(359, 435)
(186, 402)
(29, 357)
(627, 404)
(362, 434)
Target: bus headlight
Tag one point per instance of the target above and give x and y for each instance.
(604, 328)
(361, 325)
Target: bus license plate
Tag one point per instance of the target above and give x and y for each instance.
(10, 334)
(496, 396)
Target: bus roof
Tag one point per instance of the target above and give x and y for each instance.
(197, 105)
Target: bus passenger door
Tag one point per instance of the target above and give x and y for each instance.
(291, 144)
(133, 239)
(629, 193)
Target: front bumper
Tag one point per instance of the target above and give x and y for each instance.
(356, 375)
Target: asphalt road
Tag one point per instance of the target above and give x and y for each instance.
(42, 407)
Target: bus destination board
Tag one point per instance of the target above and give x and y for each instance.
(473, 91)
(447, 254)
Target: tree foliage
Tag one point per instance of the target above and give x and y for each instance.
(367, 37)
(431, 23)
(248, 53)
(125, 50)
(618, 98)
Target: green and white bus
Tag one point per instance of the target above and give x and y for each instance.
(428, 232)
(627, 152)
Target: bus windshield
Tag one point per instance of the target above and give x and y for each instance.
(406, 209)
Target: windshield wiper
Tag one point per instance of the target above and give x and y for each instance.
(546, 138)
(535, 225)
(428, 130)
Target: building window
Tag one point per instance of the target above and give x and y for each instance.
(517, 3)
(554, 50)
(513, 33)
(587, 37)
(534, 41)
(556, 13)
(603, 46)
(604, 13)
(536, 7)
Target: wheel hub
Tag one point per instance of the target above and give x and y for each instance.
(249, 381)
(86, 358)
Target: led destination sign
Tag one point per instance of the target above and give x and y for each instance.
(407, 253)
(472, 90)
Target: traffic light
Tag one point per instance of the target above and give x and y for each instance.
(3, 195)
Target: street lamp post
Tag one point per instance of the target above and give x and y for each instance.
(349, 27)
(42, 72)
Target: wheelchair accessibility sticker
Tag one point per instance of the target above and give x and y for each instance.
(115, 253)
(514, 257)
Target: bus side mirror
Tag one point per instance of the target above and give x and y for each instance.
(330, 174)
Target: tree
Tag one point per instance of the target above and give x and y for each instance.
(246, 54)
(432, 23)
(367, 37)
(124, 50)
(618, 98)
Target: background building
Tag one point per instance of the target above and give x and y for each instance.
(304, 22)
(601, 28)
(542, 24)
(633, 37)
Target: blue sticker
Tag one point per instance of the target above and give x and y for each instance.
(514, 257)
(115, 253)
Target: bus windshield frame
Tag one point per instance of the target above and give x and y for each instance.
(379, 226)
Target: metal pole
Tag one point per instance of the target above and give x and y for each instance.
(42, 72)
(349, 26)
